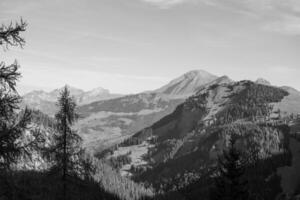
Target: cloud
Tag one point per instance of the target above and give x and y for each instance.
(278, 16)
(287, 26)
(78, 35)
(164, 4)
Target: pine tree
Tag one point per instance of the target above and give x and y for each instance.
(67, 144)
(12, 123)
(230, 183)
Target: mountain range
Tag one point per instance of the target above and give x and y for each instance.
(45, 101)
(171, 137)
(108, 121)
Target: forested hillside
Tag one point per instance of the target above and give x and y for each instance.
(180, 150)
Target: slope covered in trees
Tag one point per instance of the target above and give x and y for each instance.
(184, 146)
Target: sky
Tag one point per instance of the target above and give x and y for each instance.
(129, 46)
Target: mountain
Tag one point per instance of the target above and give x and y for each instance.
(171, 137)
(96, 94)
(173, 153)
(73, 91)
(217, 81)
(187, 84)
(45, 101)
(290, 104)
(109, 121)
(262, 81)
(40, 100)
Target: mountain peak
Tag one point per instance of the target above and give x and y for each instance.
(99, 90)
(199, 72)
(262, 81)
(187, 84)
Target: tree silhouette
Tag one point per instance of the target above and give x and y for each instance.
(12, 123)
(67, 144)
(230, 183)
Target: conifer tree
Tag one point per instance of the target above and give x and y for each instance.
(230, 183)
(67, 144)
(12, 123)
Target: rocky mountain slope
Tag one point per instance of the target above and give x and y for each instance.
(184, 145)
(187, 84)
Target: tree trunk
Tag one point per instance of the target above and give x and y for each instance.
(65, 158)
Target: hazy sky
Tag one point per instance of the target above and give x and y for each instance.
(129, 46)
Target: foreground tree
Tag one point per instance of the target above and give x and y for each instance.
(230, 183)
(12, 123)
(67, 144)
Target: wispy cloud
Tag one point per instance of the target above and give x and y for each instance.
(8, 7)
(83, 35)
(289, 25)
(164, 4)
(276, 16)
